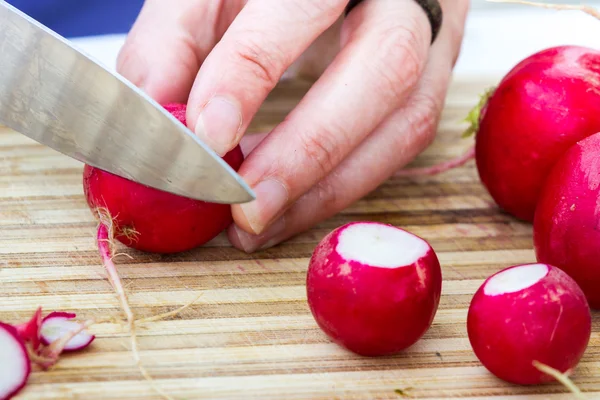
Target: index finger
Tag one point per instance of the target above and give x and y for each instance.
(265, 38)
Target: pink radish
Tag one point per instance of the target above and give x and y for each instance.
(526, 314)
(57, 324)
(567, 220)
(15, 366)
(544, 105)
(373, 288)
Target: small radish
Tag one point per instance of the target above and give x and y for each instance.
(526, 314)
(566, 228)
(544, 105)
(373, 288)
(57, 324)
(15, 366)
(152, 220)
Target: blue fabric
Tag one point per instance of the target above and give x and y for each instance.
(71, 18)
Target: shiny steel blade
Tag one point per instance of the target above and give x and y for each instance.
(62, 98)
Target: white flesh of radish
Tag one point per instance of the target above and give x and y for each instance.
(515, 279)
(380, 246)
(57, 327)
(13, 363)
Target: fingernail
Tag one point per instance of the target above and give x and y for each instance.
(250, 243)
(271, 198)
(219, 124)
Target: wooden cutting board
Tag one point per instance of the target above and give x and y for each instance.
(250, 334)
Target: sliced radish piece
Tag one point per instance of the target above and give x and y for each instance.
(15, 366)
(30, 331)
(526, 314)
(373, 288)
(57, 324)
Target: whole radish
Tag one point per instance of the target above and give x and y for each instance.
(566, 228)
(544, 105)
(373, 288)
(152, 220)
(526, 314)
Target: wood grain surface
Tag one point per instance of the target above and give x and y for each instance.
(250, 334)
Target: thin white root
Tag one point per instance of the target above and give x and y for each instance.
(565, 7)
(560, 377)
(169, 314)
(105, 240)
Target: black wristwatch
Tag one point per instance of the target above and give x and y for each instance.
(432, 8)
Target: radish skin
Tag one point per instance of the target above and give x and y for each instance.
(373, 288)
(544, 105)
(566, 228)
(528, 314)
(153, 220)
(15, 367)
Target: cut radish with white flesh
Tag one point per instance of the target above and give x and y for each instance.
(373, 288)
(59, 324)
(15, 366)
(515, 279)
(528, 313)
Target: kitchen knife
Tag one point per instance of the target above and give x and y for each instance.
(62, 98)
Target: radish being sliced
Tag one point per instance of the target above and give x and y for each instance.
(57, 324)
(528, 313)
(373, 288)
(15, 366)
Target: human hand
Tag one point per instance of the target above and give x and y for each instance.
(374, 108)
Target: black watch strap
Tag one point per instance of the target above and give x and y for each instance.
(432, 8)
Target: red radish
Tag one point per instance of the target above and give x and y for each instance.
(15, 366)
(57, 324)
(152, 220)
(567, 220)
(373, 288)
(544, 105)
(525, 314)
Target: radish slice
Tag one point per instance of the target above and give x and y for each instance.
(15, 366)
(30, 331)
(57, 324)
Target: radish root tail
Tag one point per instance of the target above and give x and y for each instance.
(105, 238)
(438, 168)
(561, 378)
(472, 118)
(564, 7)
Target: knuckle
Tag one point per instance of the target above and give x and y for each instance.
(320, 149)
(402, 59)
(263, 59)
(321, 8)
(420, 122)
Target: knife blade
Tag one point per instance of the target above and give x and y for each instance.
(60, 97)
